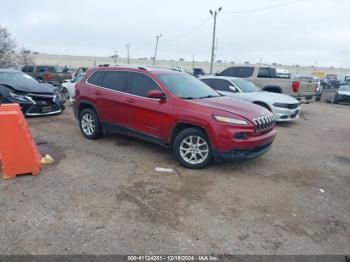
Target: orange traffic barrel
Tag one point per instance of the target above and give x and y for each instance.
(18, 151)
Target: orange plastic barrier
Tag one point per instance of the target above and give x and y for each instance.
(18, 151)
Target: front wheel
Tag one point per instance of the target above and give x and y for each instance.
(192, 148)
(90, 124)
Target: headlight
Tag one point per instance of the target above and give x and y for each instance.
(230, 120)
(18, 97)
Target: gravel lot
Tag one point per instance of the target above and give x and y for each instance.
(105, 197)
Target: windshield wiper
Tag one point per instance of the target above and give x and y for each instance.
(187, 98)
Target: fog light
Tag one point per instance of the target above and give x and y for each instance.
(241, 136)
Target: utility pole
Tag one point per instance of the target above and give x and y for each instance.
(214, 15)
(155, 51)
(128, 52)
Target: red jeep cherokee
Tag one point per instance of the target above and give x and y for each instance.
(175, 110)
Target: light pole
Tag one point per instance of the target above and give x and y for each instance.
(116, 56)
(128, 52)
(214, 15)
(155, 51)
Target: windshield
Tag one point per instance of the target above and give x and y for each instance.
(344, 88)
(187, 87)
(16, 78)
(245, 85)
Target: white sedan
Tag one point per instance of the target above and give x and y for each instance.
(284, 107)
(70, 86)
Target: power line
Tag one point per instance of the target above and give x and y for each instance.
(263, 8)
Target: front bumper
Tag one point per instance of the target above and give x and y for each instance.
(252, 147)
(285, 114)
(342, 99)
(40, 105)
(240, 154)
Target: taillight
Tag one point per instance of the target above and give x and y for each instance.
(295, 86)
(48, 76)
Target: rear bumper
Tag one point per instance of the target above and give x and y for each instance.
(241, 154)
(306, 99)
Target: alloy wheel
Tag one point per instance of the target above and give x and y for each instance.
(194, 149)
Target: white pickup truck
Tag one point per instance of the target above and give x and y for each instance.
(267, 79)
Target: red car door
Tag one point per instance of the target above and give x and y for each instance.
(150, 116)
(113, 100)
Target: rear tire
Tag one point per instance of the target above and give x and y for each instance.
(89, 124)
(192, 148)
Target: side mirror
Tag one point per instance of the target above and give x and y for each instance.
(156, 94)
(234, 89)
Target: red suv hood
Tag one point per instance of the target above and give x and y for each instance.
(244, 109)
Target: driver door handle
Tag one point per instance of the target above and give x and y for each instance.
(131, 100)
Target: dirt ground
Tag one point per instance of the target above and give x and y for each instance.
(105, 197)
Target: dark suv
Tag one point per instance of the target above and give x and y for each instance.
(175, 110)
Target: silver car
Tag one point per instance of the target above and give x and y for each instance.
(284, 107)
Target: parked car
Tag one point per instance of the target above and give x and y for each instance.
(34, 98)
(331, 81)
(266, 78)
(69, 86)
(175, 110)
(47, 74)
(198, 72)
(282, 73)
(284, 107)
(80, 70)
(343, 94)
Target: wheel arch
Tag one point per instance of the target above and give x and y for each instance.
(180, 126)
(87, 104)
(273, 89)
(263, 104)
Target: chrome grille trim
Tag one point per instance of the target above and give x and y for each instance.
(264, 123)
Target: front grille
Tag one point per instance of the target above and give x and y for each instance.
(264, 123)
(293, 106)
(43, 103)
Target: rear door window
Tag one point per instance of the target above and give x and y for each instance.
(142, 84)
(242, 72)
(43, 69)
(117, 80)
(264, 72)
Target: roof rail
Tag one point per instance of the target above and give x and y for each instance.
(144, 68)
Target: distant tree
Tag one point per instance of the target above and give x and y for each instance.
(25, 58)
(7, 48)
